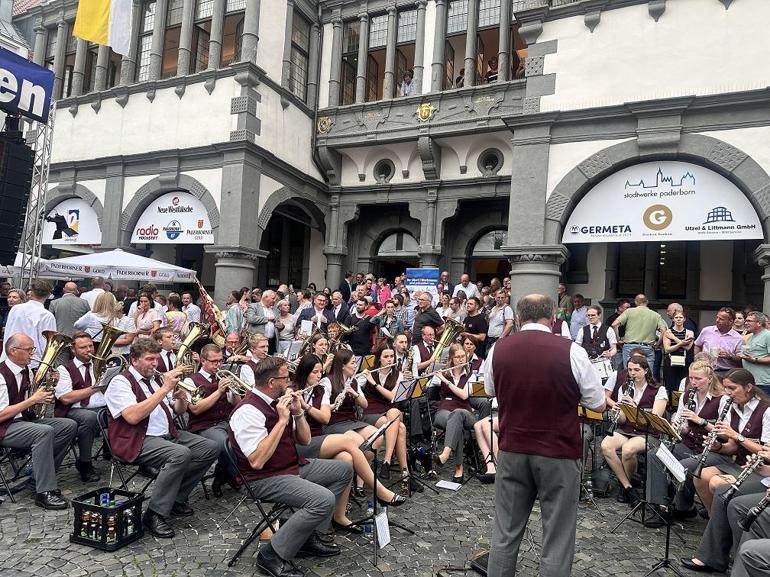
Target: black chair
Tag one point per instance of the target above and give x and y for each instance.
(267, 519)
(118, 464)
(5, 457)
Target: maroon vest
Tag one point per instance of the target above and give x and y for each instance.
(15, 396)
(595, 346)
(646, 402)
(693, 438)
(284, 460)
(378, 405)
(162, 365)
(424, 356)
(347, 411)
(537, 395)
(752, 430)
(216, 414)
(126, 440)
(316, 428)
(450, 401)
(60, 409)
(556, 326)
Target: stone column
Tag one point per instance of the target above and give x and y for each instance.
(762, 256)
(389, 81)
(313, 70)
(112, 225)
(470, 43)
(437, 66)
(363, 54)
(158, 38)
(336, 63)
(250, 32)
(233, 270)
(286, 72)
(183, 67)
(535, 269)
(102, 64)
(128, 65)
(504, 54)
(59, 57)
(217, 35)
(78, 72)
(419, 47)
(334, 273)
(41, 39)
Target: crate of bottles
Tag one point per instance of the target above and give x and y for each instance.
(107, 518)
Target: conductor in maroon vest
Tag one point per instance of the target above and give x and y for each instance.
(209, 416)
(77, 399)
(539, 380)
(142, 431)
(264, 428)
(47, 439)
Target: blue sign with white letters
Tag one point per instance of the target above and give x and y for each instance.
(25, 87)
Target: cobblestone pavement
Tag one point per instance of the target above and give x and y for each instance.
(448, 527)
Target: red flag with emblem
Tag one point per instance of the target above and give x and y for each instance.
(212, 314)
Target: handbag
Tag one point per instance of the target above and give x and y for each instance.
(677, 360)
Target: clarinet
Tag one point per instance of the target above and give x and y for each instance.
(746, 523)
(712, 436)
(745, 473)
(626, 389)
(689, 404)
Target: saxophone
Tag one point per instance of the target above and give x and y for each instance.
(409, 363)
(710, 440)
(626, 389)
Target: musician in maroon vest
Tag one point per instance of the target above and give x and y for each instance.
(539, 380)
(167, 339)
(209, 416)
(142, 432)
(423, 349)
(77, 399)
(259, 345)
(481, 405)
(264, 429)
(630, 439)
(744, 431)
(47, 439)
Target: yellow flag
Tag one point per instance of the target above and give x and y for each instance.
(105, 22)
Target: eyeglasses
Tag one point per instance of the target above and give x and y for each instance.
(29, 350)
(280, 378)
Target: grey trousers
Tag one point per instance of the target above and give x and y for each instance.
(455, 423)
(658, 483)
(753, 559)
(685, 496)
(88, 429)
(312, 494)
(722, 533)
(219, 434)
(520, 479)
(49, 440)
(182, 463)
(482, 406)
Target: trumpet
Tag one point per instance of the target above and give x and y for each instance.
(195, 392)
(626, 390)
(754, 512)
(753, 465)
(234, 383)
(712, 436)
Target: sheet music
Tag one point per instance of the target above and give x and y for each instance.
(383, 529)
(306, 327)
(671, 463)
(448, 485)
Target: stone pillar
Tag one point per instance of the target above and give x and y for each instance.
(128, 65)
(470, 43)
(762, 256)
(233, 269)
(112, 225)
(419, 47)
(158, 38)
(313, 70)
(363, 55)
(250, 32)
(389, 83)
(437, 66)
(41, 39)
(79, 71)
(102, 64)
(184, 59)
(286, 72)
(504, 54)
(334, 273)
(217, 35)
(336, 63)
(59, 58)
(535, 269)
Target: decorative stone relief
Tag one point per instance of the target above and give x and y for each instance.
(97, 104)
(595, 165)
(430, 154)
(122, 99)
(557, 204)
(762, 197)
(151, 94)
(592, 19)
(656, 8)
(535, 66)
(242, 136)
(210, 84)
(73, 109)
(179, 90)
(531, 105)
(243, 104)
(726, 156)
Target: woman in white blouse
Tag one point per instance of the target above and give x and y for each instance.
(103, 311)
(444, 309)
(146, 319)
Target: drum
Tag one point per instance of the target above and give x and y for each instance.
(603, 367)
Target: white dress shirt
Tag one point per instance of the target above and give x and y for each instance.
(120, 395)
(91, 296)
(30, 318)
(470, 291)
(64, 385)
(169, 358)
(91, 323)
(4, 398)
(661, 395)
(591, 393)
(611, 338)
(248, 424)
(247, 374)
(326, 399)
(745, 415)
(193, 312)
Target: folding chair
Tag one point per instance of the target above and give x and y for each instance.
(5, 457)
(268, 519)
(118, 464)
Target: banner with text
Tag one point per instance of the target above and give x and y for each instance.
(72, 221)
(25, 87)
(660, 201)
(422, 279)
(174, 218)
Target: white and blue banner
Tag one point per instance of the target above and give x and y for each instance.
(25, 87)
(423, 279)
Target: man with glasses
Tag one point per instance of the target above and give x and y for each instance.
(47, 439)
(426, 315)
(755, 354)
(596, 338)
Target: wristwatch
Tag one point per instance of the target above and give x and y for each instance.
(740, 439)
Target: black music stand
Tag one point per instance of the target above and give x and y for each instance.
(585, 417)
(367, 446)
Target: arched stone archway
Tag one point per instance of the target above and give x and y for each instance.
(467, 227)
(285, 195)
(63, 192)
(371, 229)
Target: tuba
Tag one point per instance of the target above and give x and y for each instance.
(54, 343)
(307, 344)
(184, 354)
(452, 329)
(102, 359)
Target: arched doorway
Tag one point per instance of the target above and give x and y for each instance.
(395, 253)
(486, 257)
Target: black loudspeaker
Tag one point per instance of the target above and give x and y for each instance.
(16, 162)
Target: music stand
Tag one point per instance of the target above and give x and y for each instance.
(367, 446)
(588, 416)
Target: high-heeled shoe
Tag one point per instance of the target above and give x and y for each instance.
(437, 461)
(359, 492)
(356, 529)
(396, 501)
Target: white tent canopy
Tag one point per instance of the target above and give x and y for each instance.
(116, 264)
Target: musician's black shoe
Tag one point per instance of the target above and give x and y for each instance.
(88, 474)
(695, 567)
(216, 488)
(359, 492)
(654, 517)
(415, 486)
(624, 495)
(51, 501)
(396, 501)
(678, 515)
(314, 547)
(273, 565)
(157, 525)
(487, 478)
(384, 471)
(182, 510)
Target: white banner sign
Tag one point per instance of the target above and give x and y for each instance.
(72, 221)
(659, 201)
(174, 218)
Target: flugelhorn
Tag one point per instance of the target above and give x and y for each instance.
(54, 343)
(195, 392)
(712, 436)
(235, 384)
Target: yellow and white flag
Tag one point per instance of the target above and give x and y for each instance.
(105, 22)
